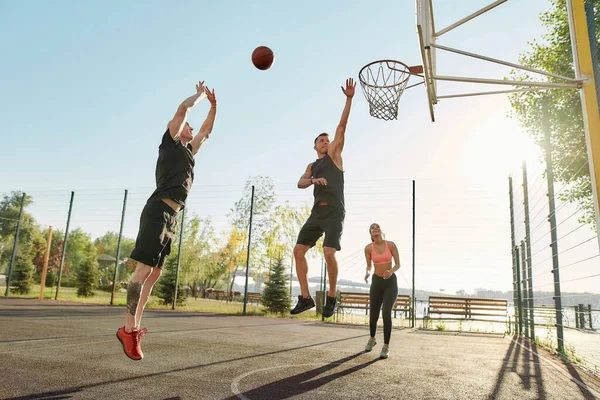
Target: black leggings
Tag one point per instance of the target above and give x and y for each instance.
(383, 292)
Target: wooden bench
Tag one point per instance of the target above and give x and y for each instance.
(254, 297)
(468, 309)
(360, 301)
(216, 294)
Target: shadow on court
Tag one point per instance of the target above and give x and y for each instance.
(303, 382)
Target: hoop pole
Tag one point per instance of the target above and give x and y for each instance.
(548, 85)
(451, 96)
(584, 67)
(508, 64)
(469, 17)
(428, 80)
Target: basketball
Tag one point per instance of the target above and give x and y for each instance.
(262, 57)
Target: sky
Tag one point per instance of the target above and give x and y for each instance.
(88, 88)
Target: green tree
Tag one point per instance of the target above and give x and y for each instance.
(165, 287)
(78, 249)
(9, 217)
(197, 261)
(287, 222)
(53, 259)
(276, 296)
(232, 256)
(554, 54)
(108, 244)
(22, 275)
(264, 199)
(88, 273)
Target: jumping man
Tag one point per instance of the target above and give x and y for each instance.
(328, 212)
(174, 178)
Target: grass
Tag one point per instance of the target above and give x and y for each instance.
(69, 294)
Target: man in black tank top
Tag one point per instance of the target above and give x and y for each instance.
(174, 177)
(328, 212)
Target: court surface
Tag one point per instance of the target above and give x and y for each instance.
(56, 350)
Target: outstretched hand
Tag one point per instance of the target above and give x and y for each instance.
(211, 96)
(349, 90)
(200, 87)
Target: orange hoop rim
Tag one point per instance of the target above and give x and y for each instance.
(416, 70)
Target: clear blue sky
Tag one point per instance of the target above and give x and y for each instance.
(88, 88)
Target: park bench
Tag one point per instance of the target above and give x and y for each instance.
(467, 309)
(254, 297)
(360, 301)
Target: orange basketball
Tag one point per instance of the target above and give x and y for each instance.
(262, 57)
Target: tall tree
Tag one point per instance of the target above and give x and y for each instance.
(78, 250)
(22, 275)
(88, 273)
(9, 217)
(54, 257)
(196, 255)
(232, 256)
(165, 287)
(276, 296)
(554, 54)
(264, 198)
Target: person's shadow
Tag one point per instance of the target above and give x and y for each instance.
(303, 382)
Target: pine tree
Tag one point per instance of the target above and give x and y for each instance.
(165, 288)
(276, 296)
(22, 275)
(88, 273)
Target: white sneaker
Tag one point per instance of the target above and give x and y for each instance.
(385, 352)
(370, 344)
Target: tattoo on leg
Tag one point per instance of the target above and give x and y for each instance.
(133, 296)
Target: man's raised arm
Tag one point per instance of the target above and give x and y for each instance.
(178, 121)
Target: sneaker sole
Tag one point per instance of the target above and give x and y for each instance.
(327, 314)
(302, 310)
(123, 344)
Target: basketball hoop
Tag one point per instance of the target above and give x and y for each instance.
(383, 83)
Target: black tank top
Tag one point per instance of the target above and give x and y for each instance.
(174, 170)
(333, 192)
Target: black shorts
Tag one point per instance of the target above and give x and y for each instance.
(157, 229)
(323, 219)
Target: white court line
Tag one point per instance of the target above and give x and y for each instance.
(235, 383)
(562, 371)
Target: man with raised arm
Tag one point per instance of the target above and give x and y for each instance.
(158, 221)
(328, 212)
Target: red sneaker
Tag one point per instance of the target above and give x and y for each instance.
(131, 343)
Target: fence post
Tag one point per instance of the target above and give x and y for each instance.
(524, 283)
(553, 233)
(519, 308)
(513, 249)
(45, 267)
(112, 295)
(14, 251)
(528, 252)
(64, 248)
(414, 300)
(248, 256)
(178, 258)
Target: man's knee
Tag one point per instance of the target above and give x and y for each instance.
(156, 273)
(300, 250)
(141, 273)
(329, 253)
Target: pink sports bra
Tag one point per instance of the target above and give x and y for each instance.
(384, 258)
